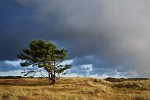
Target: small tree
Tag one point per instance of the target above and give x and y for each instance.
(45, 55)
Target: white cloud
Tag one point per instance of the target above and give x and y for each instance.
(72, 75)
(12, 73)
(67, 62)
(88, 68)
(14, 63)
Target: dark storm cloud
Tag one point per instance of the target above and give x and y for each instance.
(115, 33)
(17, 28)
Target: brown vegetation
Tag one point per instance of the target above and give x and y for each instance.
(73, 89)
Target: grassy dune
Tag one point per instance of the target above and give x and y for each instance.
(74, 89)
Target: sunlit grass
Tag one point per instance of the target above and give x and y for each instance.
(73, 89)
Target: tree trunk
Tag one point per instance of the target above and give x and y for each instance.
(50, 75)
(54, 74)
(53, 78)
(54, 81)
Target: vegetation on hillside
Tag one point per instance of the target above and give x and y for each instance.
(74, 89)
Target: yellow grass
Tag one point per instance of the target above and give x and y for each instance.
(73, 89)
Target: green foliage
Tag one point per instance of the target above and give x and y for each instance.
(44, 55)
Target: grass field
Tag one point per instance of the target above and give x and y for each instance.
(74, 89)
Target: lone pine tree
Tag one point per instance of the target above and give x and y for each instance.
(45, 55)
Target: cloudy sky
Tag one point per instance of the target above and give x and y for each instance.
(104, 37)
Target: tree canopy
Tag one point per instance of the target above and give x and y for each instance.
(45, 55)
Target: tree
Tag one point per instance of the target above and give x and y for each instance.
(45, 55)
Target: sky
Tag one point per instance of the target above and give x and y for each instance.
(105, 38)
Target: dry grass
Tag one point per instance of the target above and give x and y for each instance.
(73, 89)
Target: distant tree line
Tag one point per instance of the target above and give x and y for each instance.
(10, 77)
(111, 79)
(18, 77)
